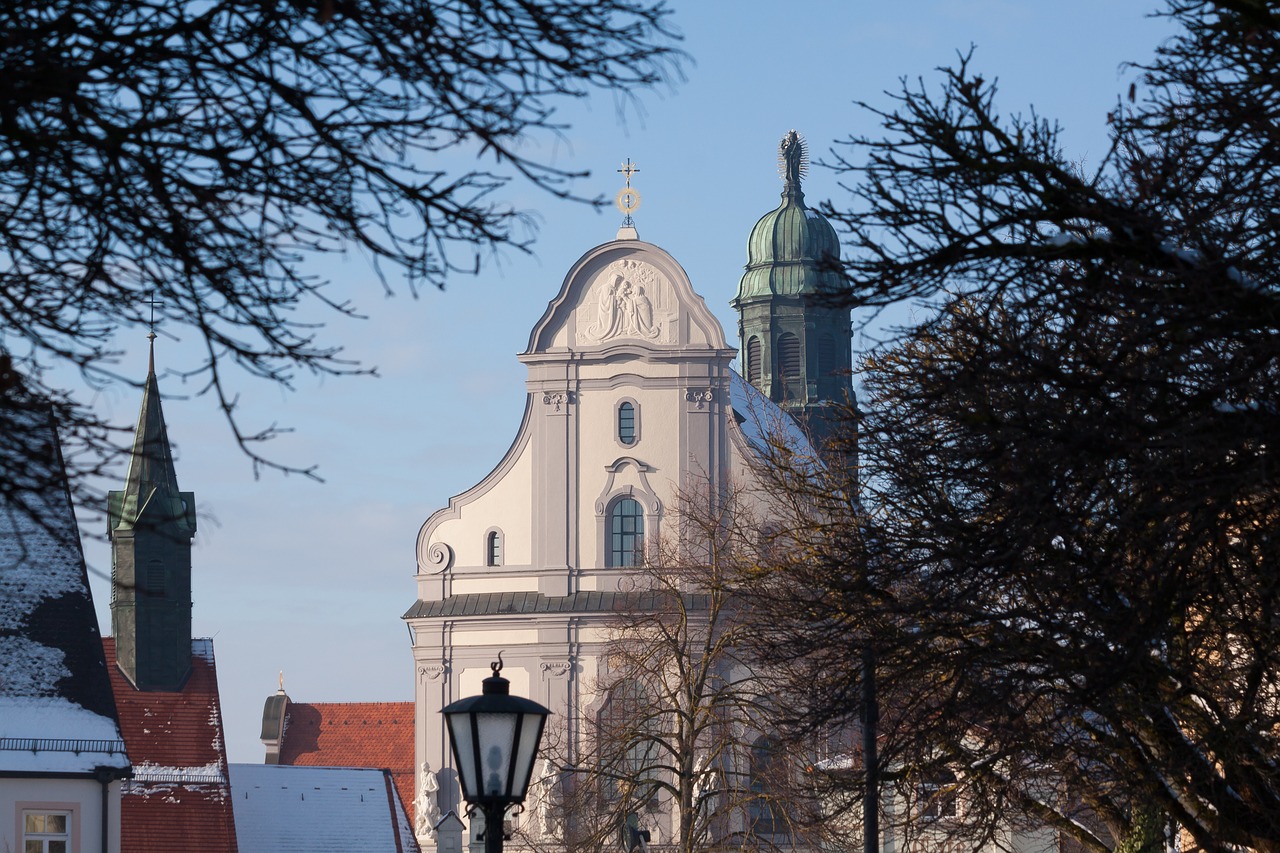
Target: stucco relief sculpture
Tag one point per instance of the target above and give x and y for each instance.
(624, 295)
(426, 806)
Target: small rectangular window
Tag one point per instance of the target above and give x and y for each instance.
(46, 832)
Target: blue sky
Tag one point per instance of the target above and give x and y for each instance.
(311, 579)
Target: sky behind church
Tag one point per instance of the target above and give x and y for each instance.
(311, 579)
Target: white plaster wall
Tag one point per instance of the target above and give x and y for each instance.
(505, 505)
(82, 796)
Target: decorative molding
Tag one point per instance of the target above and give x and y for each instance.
(557, 398)
(645, 493)
(701, 396)
(439, 556)
(556, 669)
(431, 671)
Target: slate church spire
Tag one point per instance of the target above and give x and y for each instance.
(796, 344)
(151, 524)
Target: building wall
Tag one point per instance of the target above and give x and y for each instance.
(81, 797)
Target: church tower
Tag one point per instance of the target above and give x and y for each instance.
(796, 343)
(151, 525)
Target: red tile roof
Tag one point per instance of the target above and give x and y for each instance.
(353, 734)
(180, 797)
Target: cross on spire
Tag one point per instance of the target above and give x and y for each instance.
(628, 199)
(151, 335)
(628, 169)
(153, 302)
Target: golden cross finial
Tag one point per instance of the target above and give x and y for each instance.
(627, 199)
(628, 169)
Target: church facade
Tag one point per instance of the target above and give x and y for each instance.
(633, 404)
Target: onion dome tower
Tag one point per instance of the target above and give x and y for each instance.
(151, 524)
(796, 339)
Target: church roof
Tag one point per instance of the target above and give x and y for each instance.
(318, 810)
(56, 711)
(180, 790)
(352, 734)
(793, 250)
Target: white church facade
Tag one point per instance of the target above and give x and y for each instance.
(633, 404)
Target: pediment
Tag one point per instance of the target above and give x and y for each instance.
(626, 293)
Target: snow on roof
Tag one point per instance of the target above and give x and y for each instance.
(766, 427)
(56, 710)
(318, 809)
(353, 734)
(180, 788)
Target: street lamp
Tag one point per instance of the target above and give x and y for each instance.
(495, 740)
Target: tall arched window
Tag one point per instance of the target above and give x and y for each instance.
(789, 356)
(626, 534)
(155, 583)
(765, 809)
(628, 737)
(493, 548)
(627, 423)
(828, 361)
(753, 360)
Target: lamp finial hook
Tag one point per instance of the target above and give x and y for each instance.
(496, 666)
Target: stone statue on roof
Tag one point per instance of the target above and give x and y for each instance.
(793, 158)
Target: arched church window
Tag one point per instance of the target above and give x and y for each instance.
(765, 809)
(628, 735)
(155, 578)
(627, 423)
(493, 548)
(753, 360)
(828, 361)
(789, 356)
(626, 533)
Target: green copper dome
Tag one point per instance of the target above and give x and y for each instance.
(788, 245)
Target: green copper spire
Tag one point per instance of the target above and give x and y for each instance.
(151, 524)
(152, 479)
(796, 344)
(792, 249)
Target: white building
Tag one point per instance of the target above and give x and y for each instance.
(632, 400)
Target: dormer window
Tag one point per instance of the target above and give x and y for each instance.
(627, 423)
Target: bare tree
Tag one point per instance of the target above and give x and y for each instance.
(677, 747)
(1063, 553)
(188, 158)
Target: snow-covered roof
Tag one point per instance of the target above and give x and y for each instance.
(318, 809)
(56, 711)
(766, 427)
(180, 788)
(377, 735)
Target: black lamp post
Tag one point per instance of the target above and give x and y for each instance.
(495, 740)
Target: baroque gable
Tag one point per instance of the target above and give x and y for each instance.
(626, 292)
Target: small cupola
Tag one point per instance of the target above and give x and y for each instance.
(793, 250)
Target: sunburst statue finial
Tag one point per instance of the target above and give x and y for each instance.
(793, 159)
